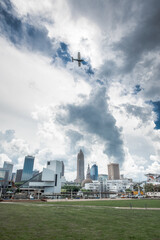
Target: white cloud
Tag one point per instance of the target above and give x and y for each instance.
(33, 89)
(4, 157)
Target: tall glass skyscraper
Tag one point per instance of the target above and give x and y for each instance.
(28, 168)
(94, 172)
(8, 166)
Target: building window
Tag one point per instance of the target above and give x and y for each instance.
(55, 179)
(48, 163)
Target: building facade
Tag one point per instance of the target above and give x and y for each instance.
(115, 186)
(94, 172)
(102, 177)
(80, 167)
(4, 177)
(153, 178)
(8, 166)
(28, 168)
(48, 182)
(13, 177)
(113, 171)
(19, 175)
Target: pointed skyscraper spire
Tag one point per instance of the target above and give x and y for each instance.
(88, 172)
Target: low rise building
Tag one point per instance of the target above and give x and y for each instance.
(110, 185)
(48, 182)
(153, 178)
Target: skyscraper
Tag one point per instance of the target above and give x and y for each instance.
(28, 168)
(19, 175)
(94, 172)
(113, 171)
(80, 167)
(4, 177)
(13, 177)
(88, 175)
(8, 166)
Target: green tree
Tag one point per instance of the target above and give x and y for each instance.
(149, 187)
(71, 188)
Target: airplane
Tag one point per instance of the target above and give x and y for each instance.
(79, 60)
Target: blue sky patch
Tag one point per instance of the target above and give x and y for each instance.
(89, 69)
(137, 89)
(156, 109)
(99, 82)
(63, 53)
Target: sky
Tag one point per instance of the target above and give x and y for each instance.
(109, 107)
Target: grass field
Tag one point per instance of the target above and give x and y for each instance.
(59, 222)
(141, 203)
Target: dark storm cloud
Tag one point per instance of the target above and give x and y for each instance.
(107, 71)
(105, 13)
(139, 112)
(74, 137)
(94, 117)
(144, 38)
(152, 88)
(22, 32)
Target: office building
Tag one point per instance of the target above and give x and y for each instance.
(13, 177)
(94, 172)
(80, 167)
(28, 168)
(113, 171)
(35, 172)
(8, 166)
(19, 175)
(102, 177)
(4, 177)
(113, 186)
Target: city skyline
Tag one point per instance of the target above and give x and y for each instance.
(109, 107)
(113, 172)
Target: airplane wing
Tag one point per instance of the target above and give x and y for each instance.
(79, 56)
(79, 64)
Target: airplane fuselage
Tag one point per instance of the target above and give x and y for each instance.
(79, 60)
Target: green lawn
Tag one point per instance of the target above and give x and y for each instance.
(144, 203)
(57, 222)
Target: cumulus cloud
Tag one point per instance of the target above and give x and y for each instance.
(144, 38)
(143, 113)
(22, 33)
(109, 107)
(95, 118)
(13, 149)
